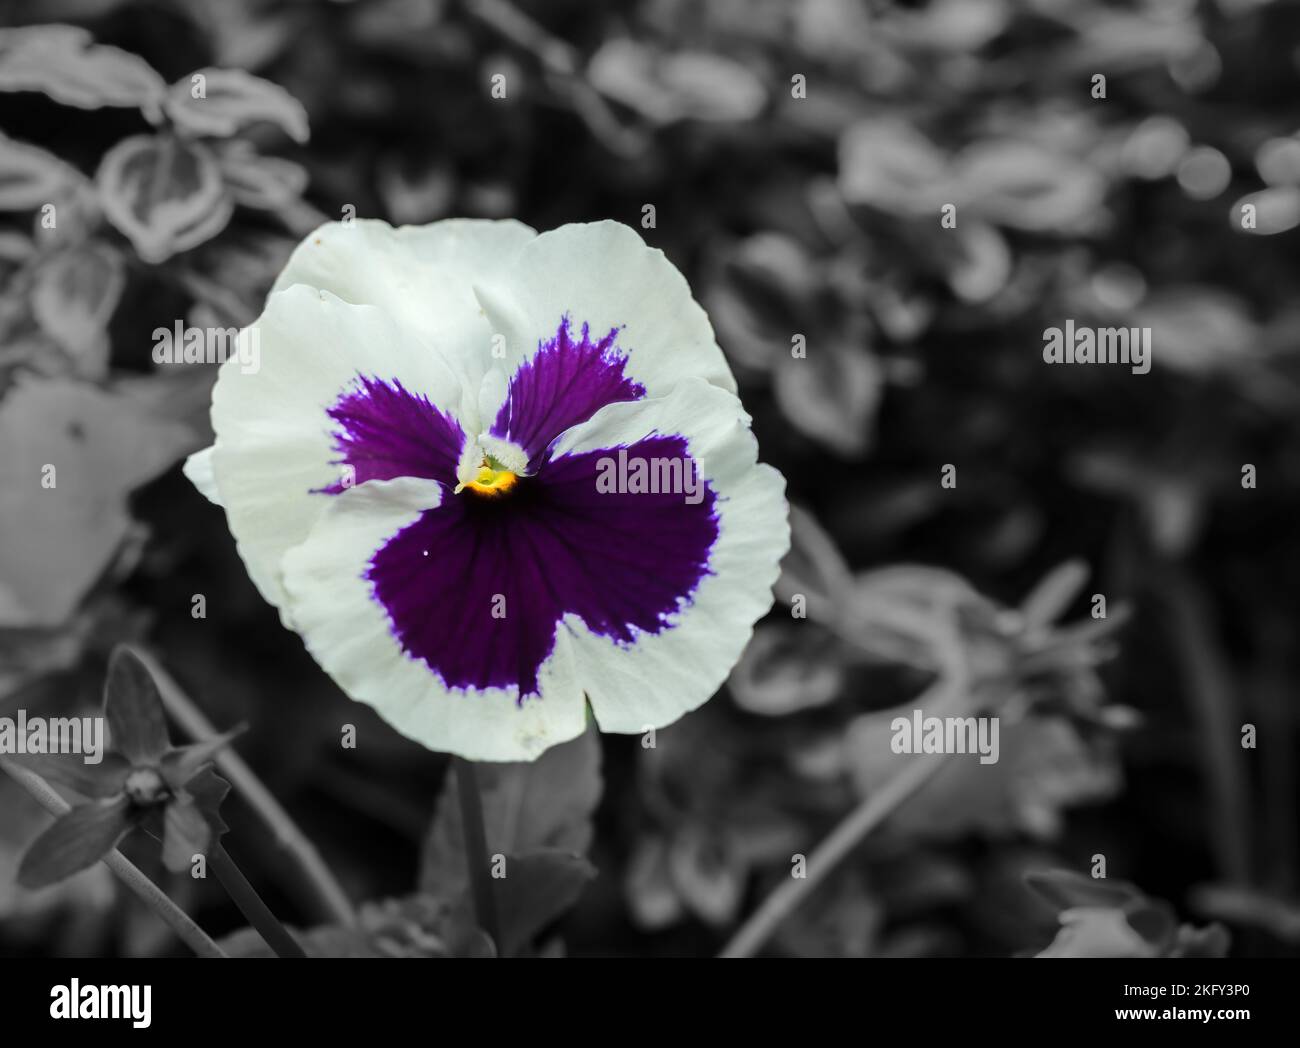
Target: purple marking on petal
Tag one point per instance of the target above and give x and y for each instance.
(555, 544)
(384, 432)
(564, 383)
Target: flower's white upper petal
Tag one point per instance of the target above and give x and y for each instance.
(604, 275)
(348, 632)
(274, 443)
(663, 675)
(422, 276)
(415, 273)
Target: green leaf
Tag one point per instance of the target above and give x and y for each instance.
(651, 895)
(232, 100)
(832, 395)
(1044, 766)
(65, 63)
(73, 296)
(538, 887)
(208, 790)
(1067, 890)
(814, 568)
(166, 195)
(1097, 931)
(706, 874)
(79, 838)
(329, 940)
(1023, 185)
(30, 177)
(1205, 328)
(975, 259)
(1277, 210)
(264, 182)
(1155, 921)
(1050, 599)
(134, 710)
(410, 927)
(542, 804)
(99, 781)
(887, 163)
(186, 833)
(15, 248)
(786, 669)
(180, 765)
(1210, 941)
(667, 85)
(60, 537)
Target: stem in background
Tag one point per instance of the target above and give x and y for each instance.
(1272, 691)
(128, 873)
(251, 905)
(945, 693)
(1211, 689)
(842, 840)
(476, 852)
(332, 901)
(525, 32)
(562, 62)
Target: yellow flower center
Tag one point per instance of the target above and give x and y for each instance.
(490, 481)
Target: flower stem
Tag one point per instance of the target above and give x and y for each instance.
(476, 851)
(127, 872)
(251, 905)
(332, 902)
(561, 62)
(859, 822)
(1213, 693)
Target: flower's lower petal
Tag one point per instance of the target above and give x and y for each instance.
(661, 674)
(604, 276)
(334, 585)
(478, 588)
(622, 563)
(421, 276)
(323, 410)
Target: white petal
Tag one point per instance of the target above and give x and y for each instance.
(422, 276)
(604, 275)
(348, 632)
(198, 469)
(665, 674)
(274, 444)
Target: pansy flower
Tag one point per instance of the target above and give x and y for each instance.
(493, 477)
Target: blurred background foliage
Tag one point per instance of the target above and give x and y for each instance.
(815, 216)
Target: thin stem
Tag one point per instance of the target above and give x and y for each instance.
(332, 902)
(251, 905)
(945, 693)
(1211, 691)
(1279, 773)
(128, 873)
(842, 840)
(561, 62)
(476, 851)
(524, 32)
